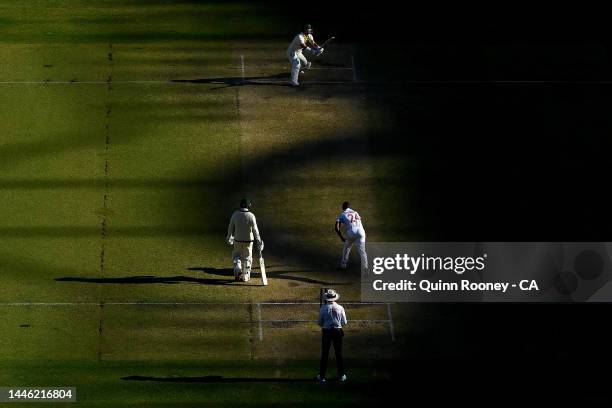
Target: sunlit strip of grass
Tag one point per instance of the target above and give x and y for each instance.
(144, 21)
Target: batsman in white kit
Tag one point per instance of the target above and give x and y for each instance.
(302, 41)
(355, 234)
(241, 233)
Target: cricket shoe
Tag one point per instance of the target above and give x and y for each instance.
(294, 83)
(342, 378)
(320, 379)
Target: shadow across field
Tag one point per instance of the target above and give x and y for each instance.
(150, 279)
(269, 274)
(273, 80)
(216, 379)
(147, 280)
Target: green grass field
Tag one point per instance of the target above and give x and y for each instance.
(130, 130)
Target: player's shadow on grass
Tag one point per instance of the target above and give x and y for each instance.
(148, 279)
(215, 379)
(269, 274)
(270, 80)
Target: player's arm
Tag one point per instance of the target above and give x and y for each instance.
(230, 231)
(337, 228)
(343, 320)
(303, 43)
(256, 233)
(310, 42)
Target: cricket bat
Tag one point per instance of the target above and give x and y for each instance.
(262, 268)
(330, 39)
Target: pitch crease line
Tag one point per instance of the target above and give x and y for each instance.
(255, 80)
(174, 303)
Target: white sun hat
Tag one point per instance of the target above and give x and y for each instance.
(331, 295)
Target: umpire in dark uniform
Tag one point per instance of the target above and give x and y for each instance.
(331, 319)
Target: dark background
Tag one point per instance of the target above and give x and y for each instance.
(496, 162)
(492, 162)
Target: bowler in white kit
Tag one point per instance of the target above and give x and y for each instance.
(355, 234)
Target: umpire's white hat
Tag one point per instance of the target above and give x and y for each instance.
(331, 295)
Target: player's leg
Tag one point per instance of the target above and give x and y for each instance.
(295, 68)
(361, 242)
(247, 257)
(337, 341)
(303, 61)
(326, 341)
(346, 250)
(237, 260)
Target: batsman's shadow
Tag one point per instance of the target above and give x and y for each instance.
(270, 80)
(272, 274)
(148, 279)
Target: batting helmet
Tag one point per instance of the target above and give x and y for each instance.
(245, 203)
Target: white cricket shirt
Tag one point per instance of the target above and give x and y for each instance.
(352, 221)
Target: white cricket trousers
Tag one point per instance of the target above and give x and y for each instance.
(359, 242)
(242, 255)
(298, 60)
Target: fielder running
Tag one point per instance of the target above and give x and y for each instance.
(355, 234)
(302, 41)
(241, 233)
